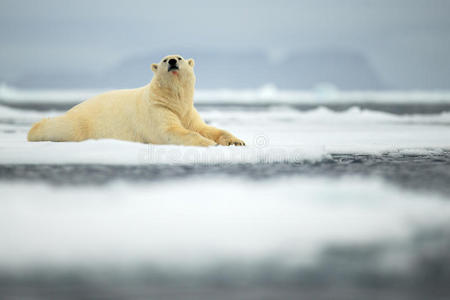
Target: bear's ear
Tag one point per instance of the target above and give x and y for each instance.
(154, 67)
(191, 62)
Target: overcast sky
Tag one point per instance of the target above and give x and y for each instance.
(406, 41)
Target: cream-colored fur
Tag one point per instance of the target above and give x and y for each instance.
(161, 112)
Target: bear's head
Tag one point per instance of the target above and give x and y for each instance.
(174, 70)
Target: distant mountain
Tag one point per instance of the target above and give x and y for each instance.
(229, 69)
(347, 70)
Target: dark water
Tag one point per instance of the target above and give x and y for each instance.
(418, 172)
(395, 108)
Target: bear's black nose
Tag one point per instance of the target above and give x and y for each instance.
(172, 62)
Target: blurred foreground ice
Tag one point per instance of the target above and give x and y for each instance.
(199, 222)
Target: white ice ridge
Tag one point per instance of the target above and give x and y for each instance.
(265, 94)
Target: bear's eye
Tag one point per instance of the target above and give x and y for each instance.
(165, 60)
(179, 58)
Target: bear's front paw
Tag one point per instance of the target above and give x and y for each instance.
(207, 143)
(228, 140)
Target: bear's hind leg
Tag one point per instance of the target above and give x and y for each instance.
(58, 129)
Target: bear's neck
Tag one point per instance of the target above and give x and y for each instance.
(178, 98)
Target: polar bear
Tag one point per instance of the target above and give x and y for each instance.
(162, 112)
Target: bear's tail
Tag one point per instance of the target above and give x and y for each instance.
(57, 129)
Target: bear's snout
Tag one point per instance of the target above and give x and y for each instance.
(172, 64)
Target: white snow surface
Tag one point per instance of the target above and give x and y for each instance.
(272, 135)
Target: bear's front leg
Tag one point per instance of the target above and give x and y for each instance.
(181, 136)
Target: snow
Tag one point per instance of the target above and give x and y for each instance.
(173, 224)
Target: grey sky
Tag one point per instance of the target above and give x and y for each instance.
(407, 42)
